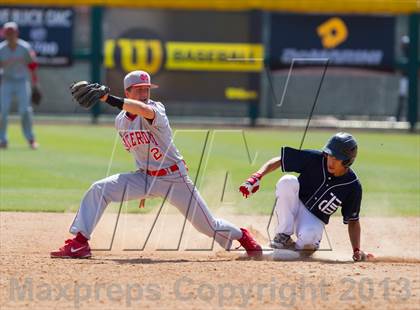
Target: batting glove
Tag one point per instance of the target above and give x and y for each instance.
(358, 255)
(251, 185)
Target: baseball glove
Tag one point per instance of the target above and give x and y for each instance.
(88, 94)
(36, 95)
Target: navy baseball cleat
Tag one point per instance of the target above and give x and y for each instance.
(282, 241)
(253, 249)
(73, 249)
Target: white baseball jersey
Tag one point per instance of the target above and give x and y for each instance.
(16, 83)
(152, 146)
(150, 142)
(15, 62)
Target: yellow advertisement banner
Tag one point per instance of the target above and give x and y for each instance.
(306, 6)
(201, 56)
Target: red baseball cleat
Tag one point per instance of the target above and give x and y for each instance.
(253, 249)
(73, 249)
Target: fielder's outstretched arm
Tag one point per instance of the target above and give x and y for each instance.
(134, 107)
(139, 108)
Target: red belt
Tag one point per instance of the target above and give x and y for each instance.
(164, 171)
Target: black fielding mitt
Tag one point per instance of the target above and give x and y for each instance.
(36, 95)
(88, 94)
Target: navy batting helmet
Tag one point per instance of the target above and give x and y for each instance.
(343, 147)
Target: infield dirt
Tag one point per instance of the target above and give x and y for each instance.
(120, 279)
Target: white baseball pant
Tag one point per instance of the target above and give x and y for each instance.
(293, 217)
(177, 187)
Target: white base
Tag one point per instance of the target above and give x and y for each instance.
(283, 254)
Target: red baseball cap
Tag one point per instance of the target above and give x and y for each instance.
(138, 78)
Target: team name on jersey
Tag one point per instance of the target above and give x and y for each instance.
(133, 138)
(329, 206)
(13, 60)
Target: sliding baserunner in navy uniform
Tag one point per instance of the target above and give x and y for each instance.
(305, 203)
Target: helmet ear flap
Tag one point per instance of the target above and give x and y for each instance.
(352, 156)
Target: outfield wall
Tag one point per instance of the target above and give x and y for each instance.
(344, 93)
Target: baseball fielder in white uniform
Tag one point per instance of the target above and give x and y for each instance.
(18, 62)
(145, 132)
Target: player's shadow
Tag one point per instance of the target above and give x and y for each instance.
(324, 261)
(147, 261)
(312, 260)
(329, 261)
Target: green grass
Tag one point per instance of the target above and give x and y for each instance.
(71, 157)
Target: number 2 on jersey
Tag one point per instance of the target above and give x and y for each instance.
(156, 153)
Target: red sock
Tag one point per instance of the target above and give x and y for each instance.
(80, 238)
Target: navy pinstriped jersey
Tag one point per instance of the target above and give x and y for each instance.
(321, 192)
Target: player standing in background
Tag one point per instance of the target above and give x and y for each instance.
(403, 85)
(305, 203)
(17, 60)
(145, 132)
